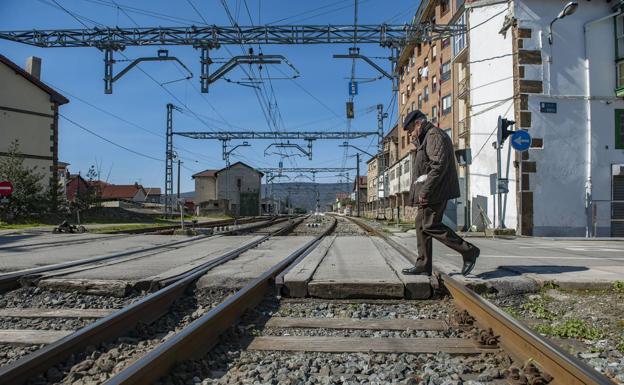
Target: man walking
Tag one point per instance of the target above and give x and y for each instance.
(434, 182)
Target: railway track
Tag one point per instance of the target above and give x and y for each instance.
(150, 320)
(449, 338)
(12, 280)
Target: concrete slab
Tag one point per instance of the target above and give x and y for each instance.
(525, 264)
(32, 337)
(121, 276)
(251, 264)
(296, 280)
(354, 268)
(416, 286)
(51, 250)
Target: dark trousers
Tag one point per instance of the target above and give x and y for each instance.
(428, 226)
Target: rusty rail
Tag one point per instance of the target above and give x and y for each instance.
(201, 335)
(520, 342)
(117, 324)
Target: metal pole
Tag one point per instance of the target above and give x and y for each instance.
(498, 190)
(357, 183)
(179, 162)
(169, 162)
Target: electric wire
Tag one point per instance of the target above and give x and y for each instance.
(109, 141)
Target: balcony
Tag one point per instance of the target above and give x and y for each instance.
(463, 128)
(463, 88)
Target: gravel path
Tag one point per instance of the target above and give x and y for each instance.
(587, 324)
(99, 363)
(230, 363)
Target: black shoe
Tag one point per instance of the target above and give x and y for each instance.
(469, 262)
(416, 271)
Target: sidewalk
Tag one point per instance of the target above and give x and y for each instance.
(525, 264)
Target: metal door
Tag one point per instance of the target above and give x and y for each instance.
(617, 206)
(249, 204)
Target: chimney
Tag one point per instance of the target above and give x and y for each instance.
(33, 66)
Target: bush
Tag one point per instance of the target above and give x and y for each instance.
(29, 198)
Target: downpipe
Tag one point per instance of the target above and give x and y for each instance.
(588, 129)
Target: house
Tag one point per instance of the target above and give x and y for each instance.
(130, 192)
(29, 114)
(235, 189)
(360, 191)
(239, 184)
(205, 185)
(562, 81)
(154, 194)
(75, 187)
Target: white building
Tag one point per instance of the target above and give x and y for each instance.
(29, 112)
(564, 92)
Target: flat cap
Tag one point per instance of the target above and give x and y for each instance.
(414, 115)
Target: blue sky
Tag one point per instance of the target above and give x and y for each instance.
(140, 102)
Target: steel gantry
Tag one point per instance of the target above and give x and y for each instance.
(205, 38)
(226, 136)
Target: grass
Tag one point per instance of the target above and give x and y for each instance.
(19, 226)
(129, 226)
(620, 345)
(618, 287)
(572, 328)
(539, 308)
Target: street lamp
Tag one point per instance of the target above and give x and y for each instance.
(569, 9)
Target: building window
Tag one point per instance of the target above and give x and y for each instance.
(619, 129)
(446, 72)
(459, 41)
(403, 98)
(413, 82)
(413, 106)
(402, 141)
(434, 114)
(420, 70)
(434, 83)
(420, 101)
(426, 91)
(434, 51)
(446, 42)
(619, 54)
(446, 104)
(419, 49)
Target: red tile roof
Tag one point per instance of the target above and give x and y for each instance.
(54, 96)
(152, 190)
(119, 191)
(205, 173)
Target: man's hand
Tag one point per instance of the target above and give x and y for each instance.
(422, 200)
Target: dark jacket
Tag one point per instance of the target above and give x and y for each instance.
(434, 157)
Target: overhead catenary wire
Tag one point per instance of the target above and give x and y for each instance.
(82, 127)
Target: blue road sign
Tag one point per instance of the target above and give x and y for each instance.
(353, 88)
(521, 140)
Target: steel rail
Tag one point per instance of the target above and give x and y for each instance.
(117, 324)
(520, 342)
(203, 334)
(158, 229)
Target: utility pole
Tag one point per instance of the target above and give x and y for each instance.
(169, 162)
(381, 164)
(179, 163)
(357, 183)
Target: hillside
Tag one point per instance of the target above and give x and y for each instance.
(302, 193)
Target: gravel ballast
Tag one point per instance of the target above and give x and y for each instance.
(587, 324)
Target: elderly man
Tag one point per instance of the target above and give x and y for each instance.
(434, 182)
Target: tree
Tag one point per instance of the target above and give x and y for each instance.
(29, 196)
